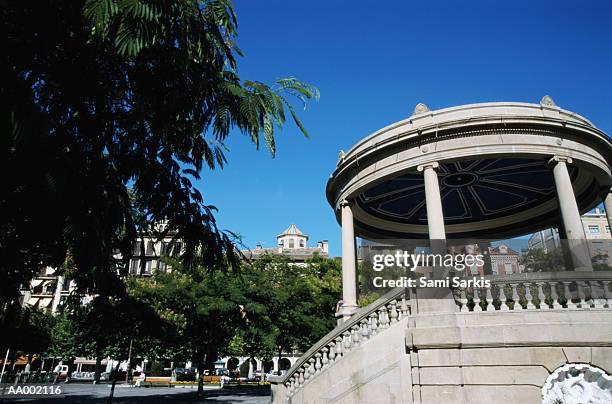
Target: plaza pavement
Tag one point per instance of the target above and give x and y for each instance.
(95, 394)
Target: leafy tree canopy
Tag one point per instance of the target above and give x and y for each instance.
(112, 110)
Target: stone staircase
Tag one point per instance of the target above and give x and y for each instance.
(333, 365)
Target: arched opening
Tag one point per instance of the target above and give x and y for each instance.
(284, 364)
(232, 364)
(268, 366)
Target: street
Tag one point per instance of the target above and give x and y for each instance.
(93, 394)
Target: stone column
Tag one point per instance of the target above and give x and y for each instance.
(435, 217)
(349, 277)
(438, 300)
(58, 294)
(608, 207)
(570, 215)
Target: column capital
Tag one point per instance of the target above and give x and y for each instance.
(559, 159)
(345, 202)
(433, 164)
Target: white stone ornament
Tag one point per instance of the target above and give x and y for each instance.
(548, 101)
(577, 383)
(420, 109)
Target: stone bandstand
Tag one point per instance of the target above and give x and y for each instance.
(480, 171)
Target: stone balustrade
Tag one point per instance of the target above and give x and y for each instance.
(539, 291)
(349, 335)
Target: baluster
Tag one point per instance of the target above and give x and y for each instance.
(598, 302)
(393, 315)
(606, 293)
(347, 341)
(398, 309)
(374, 323)
(311, 368)
(582, 303)
(289, 387)
(477, 306)
(355, 336)
(542, 296)
(554, 296)
(292, 385)
(464, 301)
(332, 352)
(591, 288)
(588, 288)
(528, 297)
(325, 360)
(502, 298)
(318, 364)
(404, 307)
(365, 333)
(302, 377)
(489, 300)
(383, 318)
(568, 295)
(515, 298)
(339, 348)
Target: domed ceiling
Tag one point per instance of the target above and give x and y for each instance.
(471, 190)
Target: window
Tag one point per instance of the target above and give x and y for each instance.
(161, 266)
(150, 248)
(594, 229)
(164, 248)
(291, 243)
(134, 266)
(302, 243)
(136, 250)
(508, 268)
(607, 229)
(49, 288)
(176, 249)
(148, 270)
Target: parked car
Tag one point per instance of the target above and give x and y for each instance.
(185, 374)
(61, 371)
(222, 372)
(87, 376)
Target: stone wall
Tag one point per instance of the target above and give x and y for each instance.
(376, 372)
(474, 357)
(502, 357)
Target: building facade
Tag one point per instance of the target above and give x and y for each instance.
(292, 243)
(595, 224)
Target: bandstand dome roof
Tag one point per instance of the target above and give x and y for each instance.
(494, 173)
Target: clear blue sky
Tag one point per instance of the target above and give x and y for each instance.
(373, 62)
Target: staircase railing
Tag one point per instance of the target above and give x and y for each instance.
(360, 327)
(539, 291)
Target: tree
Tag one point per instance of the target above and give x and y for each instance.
(113, 108)
(537, 260)
(300, 301)
(25, 331)
(269, 305)
(204, 309)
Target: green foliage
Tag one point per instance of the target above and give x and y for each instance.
(299, 301)
(235, 346)
(157, 369)
(269, 304)
(201, 308)
(536, 260)
(113, 109)
(67, 338)
(25, 329)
